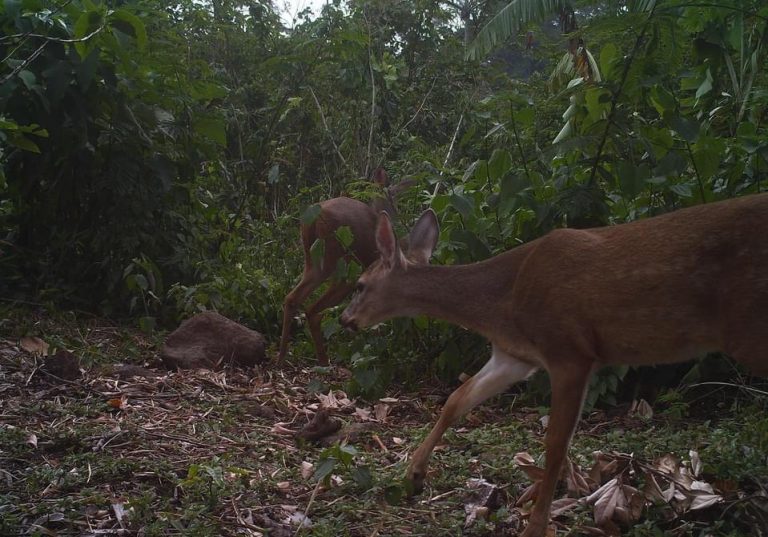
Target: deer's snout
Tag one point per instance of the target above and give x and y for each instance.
(348, 322)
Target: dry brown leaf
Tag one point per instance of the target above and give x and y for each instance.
(563, 505)
(667, 464)
(652, 490)
(363, 413)
(381, 411)
(529, 494)
(636, 502)
(298, 518)
(606, 501)
(604, 468)
(334, 400)
(280, 428)
(696, 464)
(307, 469)
(34, 345)
(641, 408)
(702, 486)
(526, 463)
(702, 501)
(576, 482)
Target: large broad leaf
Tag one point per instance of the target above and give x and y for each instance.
(499, 164)
(88, 23)
(608, 55)
(688, 129)
(310, 214)
(212, 128)
(130, 24)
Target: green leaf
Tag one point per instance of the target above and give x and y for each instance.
(130, 24)
(345, 236)
(142, 282)
(87, 68)
(706, 86)
(525, 116)
(672, 164)
(688, 129)
(147, 324)
(393, 494)
(707, 162)
(28, 77)
(682, 189)
(324, 469)
(310, 214)
(475, 247)
(470, 171)
(511, 186)
(362, 477)
(462, 204)
(213, 129)
(499, 164)
(317, 253)
(22, 142)
(88, 23)
(631, 179)
(663, 101)
(608, 55)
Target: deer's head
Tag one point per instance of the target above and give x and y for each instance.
(379, 292)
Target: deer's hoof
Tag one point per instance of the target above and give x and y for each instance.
(414, 483)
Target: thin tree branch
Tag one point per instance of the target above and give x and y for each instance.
(325, 124)
(373, 99)
(617, 93)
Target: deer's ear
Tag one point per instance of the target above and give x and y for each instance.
(423, 237)
(385, 241)
(380, 177)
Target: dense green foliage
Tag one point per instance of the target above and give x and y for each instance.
(156, 156)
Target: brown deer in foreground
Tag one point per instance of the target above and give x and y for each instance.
(660, 290)
(335, 213)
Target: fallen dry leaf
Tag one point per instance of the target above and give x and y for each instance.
(381, 411)
(32, 440)
(526, 463)
(34, 345)
(641, 408)
(280, 428)
(307, 469)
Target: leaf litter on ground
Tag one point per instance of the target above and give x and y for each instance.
(113, 451)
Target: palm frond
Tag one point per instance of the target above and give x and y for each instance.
(508, 22)
(518, 13)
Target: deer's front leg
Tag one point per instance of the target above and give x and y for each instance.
(501, 371)
(568, 388)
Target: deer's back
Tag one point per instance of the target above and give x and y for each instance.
(340, 212)
(658, 289)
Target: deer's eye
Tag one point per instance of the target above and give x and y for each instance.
(359, 287)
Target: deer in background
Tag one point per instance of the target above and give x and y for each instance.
(659, 290)
(334, 214)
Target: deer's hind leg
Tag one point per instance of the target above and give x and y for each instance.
(746, 329)
(337, 291)
(310, 280)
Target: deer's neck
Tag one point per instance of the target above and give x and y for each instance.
(473, 296)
